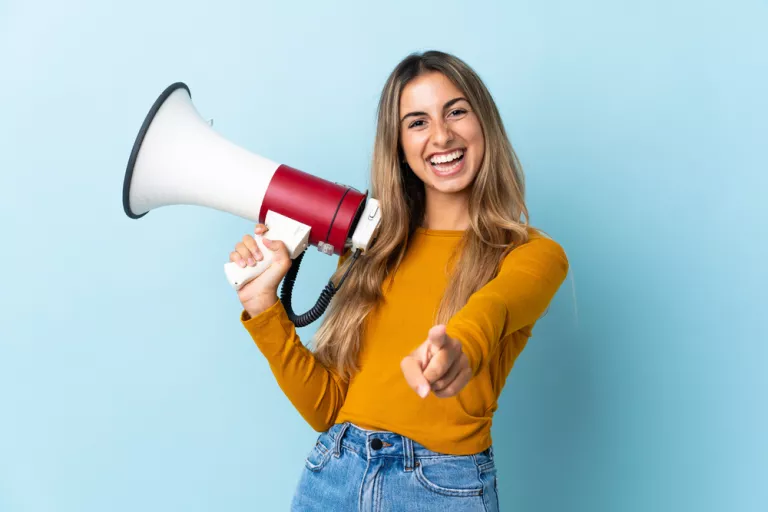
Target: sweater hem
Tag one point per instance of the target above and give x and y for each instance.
(469, 446)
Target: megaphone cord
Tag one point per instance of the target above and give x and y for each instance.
(286, 293)
(355, 255)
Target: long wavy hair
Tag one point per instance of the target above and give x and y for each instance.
(498, 214)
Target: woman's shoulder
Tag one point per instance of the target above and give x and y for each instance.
(540, 237)
(539, 247)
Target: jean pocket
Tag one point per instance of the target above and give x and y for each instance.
(319, 455)
(449, 476)
(484, 461)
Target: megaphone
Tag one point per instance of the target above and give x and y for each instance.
(178, 159)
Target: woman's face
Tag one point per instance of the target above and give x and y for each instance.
(440, 134)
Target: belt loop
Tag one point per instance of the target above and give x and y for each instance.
(407, 453)
(339, 437)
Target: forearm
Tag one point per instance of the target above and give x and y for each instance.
(315, 391)
(516, 298)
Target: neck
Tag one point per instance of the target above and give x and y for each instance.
(446, 211)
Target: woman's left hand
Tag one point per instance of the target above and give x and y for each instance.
(439, 364)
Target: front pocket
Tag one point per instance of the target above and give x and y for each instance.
(453, 477)
(318, 457)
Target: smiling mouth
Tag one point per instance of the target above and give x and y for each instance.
(447, 158)
(447, 163)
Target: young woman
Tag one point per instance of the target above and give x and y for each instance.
(409, 362)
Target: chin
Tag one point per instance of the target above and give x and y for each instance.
(451, 188)
(453, 184)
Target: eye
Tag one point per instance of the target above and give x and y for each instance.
(416, 124)
(457, 112)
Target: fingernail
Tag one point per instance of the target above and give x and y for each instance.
(423, 390)
(241, 263)
(251, 261)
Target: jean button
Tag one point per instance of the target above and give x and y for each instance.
(376, 444)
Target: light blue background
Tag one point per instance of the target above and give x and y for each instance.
(126, 380)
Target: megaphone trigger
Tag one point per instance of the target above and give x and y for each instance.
(293, 234)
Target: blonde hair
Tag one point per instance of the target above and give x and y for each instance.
(496, 208)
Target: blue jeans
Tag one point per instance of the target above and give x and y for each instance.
(351, 469)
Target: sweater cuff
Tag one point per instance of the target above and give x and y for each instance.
(271, 319)
(473, 353)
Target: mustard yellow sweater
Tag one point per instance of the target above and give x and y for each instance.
(493, 329)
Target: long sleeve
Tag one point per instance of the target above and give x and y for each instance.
(314, 390)
(529, 277)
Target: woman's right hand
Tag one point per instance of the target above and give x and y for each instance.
(260, 293)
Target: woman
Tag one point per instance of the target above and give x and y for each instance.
(415, 347)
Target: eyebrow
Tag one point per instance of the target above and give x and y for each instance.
(448, 104)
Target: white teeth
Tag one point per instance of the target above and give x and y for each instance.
(442, 159)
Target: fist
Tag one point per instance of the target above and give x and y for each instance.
(438, 365)
(261, 293)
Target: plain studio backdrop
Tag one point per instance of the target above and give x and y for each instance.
(126, 380)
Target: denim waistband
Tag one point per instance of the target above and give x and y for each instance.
(372, 444)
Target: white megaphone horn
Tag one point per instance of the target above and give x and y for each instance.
(178, 159)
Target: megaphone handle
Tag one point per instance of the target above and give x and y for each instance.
(239, 276)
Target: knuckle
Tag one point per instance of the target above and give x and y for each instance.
(450, 390)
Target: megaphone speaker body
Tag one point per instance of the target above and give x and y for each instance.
(178, 159)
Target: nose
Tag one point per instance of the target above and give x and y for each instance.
(442, 135)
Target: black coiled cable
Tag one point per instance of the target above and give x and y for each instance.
(286, 293)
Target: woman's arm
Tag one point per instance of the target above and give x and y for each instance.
(529, 277)
(317, 392)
